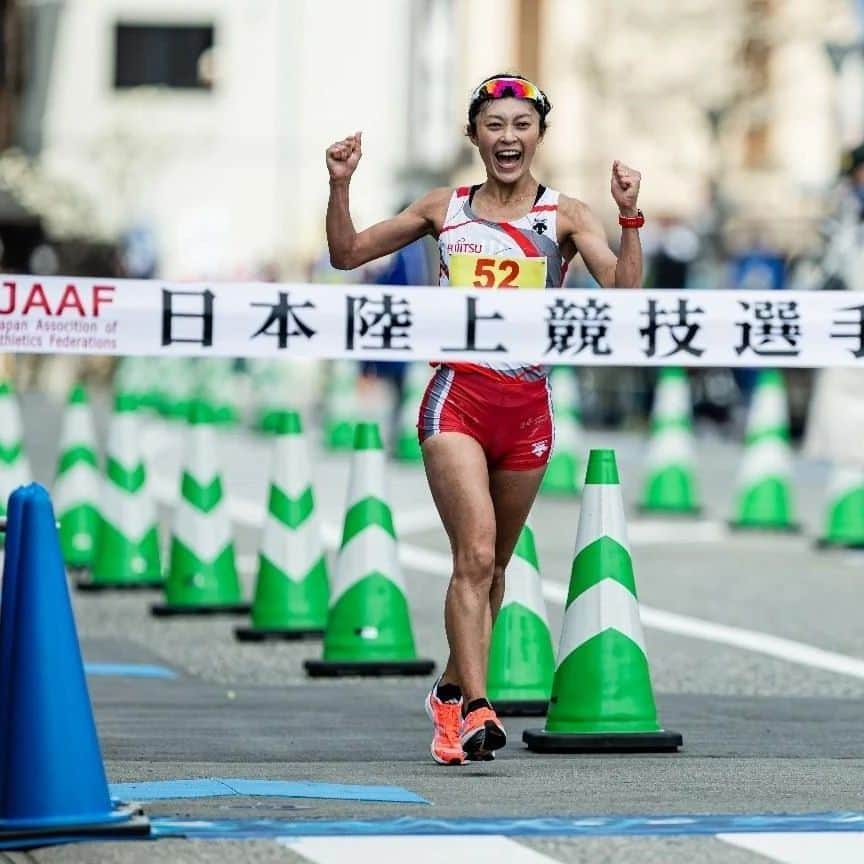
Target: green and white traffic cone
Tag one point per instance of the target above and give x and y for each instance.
(844, 518)
(407, 443)
(564, 472)
(521, 656)
(341, 409)
(670, 484)
(369, 623)
(291, 590)
(764, 495)
(602, 699)
(179, 382)
(266, 380)
(127, 543)
(216, 384)
(14, 466)
(76, 486)
(202, 572)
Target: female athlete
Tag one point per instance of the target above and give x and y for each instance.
(486, 429)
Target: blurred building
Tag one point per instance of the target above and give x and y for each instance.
(204, 123)
(727, 103)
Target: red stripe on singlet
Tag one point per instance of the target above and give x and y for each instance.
(521, 241)
(463, 191)
(457, 225)
(541, 207)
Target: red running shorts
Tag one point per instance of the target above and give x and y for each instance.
(510, 419)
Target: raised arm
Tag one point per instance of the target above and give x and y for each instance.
(350, 248)
(587, 234)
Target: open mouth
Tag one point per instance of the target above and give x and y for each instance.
(508, 159)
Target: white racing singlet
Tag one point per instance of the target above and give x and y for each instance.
(523, 253)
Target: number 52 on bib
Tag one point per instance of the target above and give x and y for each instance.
(485, 271)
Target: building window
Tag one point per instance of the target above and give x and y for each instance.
(155, 55)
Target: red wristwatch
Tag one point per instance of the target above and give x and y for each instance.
(636, 221)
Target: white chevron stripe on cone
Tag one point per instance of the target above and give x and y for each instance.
(608, 605)
(671, 400)
(602, 515)
(78, 485)
(844, 480)
(204, 534)
(133, 515)
(523, 586)
(368, 477)
(371, 549)
(295, 551)
(769, 457)
(291, 465)
(124, 440)
(768, 410)
(670, 446)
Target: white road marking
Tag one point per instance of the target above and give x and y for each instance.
(798, 848)
(418, 850)
(417, 558)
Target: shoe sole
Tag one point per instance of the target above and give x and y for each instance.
(480, 756)
(453, 761)
(489, 738)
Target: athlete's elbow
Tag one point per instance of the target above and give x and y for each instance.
(341, 260)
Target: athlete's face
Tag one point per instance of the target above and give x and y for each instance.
(508, 132)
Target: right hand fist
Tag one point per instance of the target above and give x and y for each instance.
(343, 156)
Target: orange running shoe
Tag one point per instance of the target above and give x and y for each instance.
(482, 733)
(446, 720)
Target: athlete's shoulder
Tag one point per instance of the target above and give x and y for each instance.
(432, 206)
(574, 214)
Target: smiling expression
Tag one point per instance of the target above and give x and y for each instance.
(507, 135)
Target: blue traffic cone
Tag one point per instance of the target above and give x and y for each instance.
(7, 609)
(52, 779)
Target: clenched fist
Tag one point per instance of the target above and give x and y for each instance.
(343, 156)
(625, 187)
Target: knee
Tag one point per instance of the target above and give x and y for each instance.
(475, 563)
(497, 576)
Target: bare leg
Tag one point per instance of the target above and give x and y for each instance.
(459, 481)
(513, 494)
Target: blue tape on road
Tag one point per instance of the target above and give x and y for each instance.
(128, 670)
(159, 790)
(600, 826)
(338, 791)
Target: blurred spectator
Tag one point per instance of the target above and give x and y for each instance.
(755, 267)
(670, 250)
(836, 415)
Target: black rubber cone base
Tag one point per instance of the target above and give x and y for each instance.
(825, 543)
(791, 528)
(89, 585)
(367, 668)
(166, 610)
(659, 513)
(521, 707)
(663, 741)
(136, 824)
(256, 634)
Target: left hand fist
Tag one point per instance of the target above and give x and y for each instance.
(625, 187)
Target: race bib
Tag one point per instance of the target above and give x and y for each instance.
(479, 271)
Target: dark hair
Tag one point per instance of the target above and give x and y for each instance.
(542, 106)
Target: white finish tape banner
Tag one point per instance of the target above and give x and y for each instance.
(605, 328)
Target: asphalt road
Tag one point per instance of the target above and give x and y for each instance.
(767, 730)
